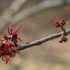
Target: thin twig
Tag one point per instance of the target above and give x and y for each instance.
(40, 41)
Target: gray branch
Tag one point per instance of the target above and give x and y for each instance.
(40, 41)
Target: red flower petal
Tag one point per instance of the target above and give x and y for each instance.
(5, 58)
(1, 51)
(16, 31)
(10, 29)
(12, 54)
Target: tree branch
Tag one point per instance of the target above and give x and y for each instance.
(40, 41)
(7, 15)
(14, 7)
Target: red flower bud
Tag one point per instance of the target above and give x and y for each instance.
(56, 23)
(63, 22)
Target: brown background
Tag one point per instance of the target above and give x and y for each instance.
(50, 55)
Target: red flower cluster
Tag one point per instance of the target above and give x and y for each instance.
(57, 23)
(9, 43)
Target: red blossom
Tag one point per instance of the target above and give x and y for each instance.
(9, 43)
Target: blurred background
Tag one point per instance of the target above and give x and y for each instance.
(37, 22)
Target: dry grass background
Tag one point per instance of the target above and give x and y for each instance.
(48, 56)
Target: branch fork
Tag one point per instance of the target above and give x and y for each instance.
(60, 24)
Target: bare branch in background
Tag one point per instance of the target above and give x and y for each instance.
(12, 9)
(8, 18)
(35, 9)
(40, 41)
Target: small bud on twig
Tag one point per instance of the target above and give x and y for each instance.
(61, 24)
